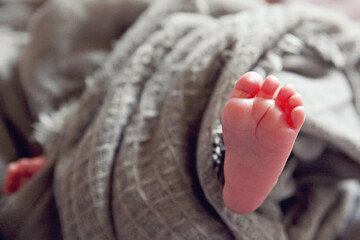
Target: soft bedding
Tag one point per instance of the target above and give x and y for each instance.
(126, 98)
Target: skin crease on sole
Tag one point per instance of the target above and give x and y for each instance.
(259, 131)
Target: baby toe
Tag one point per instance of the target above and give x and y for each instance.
(297, 117)
(293, 102)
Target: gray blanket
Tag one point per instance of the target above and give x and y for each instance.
(126, 96)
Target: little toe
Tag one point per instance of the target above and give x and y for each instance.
(269, 87)
(247, 86)
(297, 117)
(293, 102)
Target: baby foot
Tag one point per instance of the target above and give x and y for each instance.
(20, 172)
(259, 132)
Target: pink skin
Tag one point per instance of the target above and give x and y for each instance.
(259, 132)
(20, 172)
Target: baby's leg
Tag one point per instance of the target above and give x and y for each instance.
(20, 172)
(259, 132)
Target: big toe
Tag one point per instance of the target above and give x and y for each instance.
(247, 86)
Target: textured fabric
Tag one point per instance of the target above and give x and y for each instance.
(349, 7)
(15, 120)
(12, 106)
(127, 100)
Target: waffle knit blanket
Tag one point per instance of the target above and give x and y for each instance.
(127, 94)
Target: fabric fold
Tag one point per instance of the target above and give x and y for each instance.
(128, 94)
